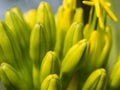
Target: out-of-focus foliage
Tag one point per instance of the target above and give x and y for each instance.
(115, 31)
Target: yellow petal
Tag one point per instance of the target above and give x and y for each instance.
(108, 10)
(90, 3)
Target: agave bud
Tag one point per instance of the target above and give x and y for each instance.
(17, 24)
(78, 16)
(38, 48)
(30, 17)
(71, 61)
(9, 48)
(96, 80)
(106, 48)
(11, 77)
(114, 78)
(38, 43)
(15, 21)
(51, 82)
(35, 76)
(46, 18)
(99, 49)
(18, 12)
(73, 35)
(64, 19)
(69, 4)
(7, 53)
(50, 65)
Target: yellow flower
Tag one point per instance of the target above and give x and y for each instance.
(101, 5)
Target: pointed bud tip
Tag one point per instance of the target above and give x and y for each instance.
(3, 65)
(102, 71)
(83, 42)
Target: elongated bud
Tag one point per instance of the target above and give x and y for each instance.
(38, 43)
(50, 65)
(52, 25)
(17, 24)
(45, 16)
(38, 49)
(69, 4)
(64, 19)
(106, 48)
(96, 80)
(36, 78)
(10, 77)
(78, 16)
(73, 35)
(10, 51)
(100, 46)
(9, 48)
(114, 78)
(30, 17)
(17, 11)
(51, 82)
(71, 61)
(7, 54)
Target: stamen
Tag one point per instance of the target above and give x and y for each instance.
(108, 10)
(90, 3)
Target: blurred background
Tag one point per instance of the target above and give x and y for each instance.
(25, 5)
